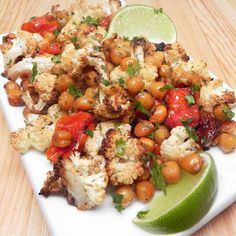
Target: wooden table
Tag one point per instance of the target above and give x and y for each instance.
(206, 28)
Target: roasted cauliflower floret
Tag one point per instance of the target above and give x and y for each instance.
(123, 157)
(82, 179)
(113, 102)
(179, 144)
(37, 134)
(215, 93)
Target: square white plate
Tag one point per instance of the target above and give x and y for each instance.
(64, 219)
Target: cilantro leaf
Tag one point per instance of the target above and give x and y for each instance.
(157, 177)
(89, 133)
(90, 21)
(229, 114)
(56, 58)
(166, 87)
(121, 81)
(140, 108)
(126, 38)
(142, 214)
(120, 147)
(191, 131)
(74, 91)
(190, 99)
(117, 200)
(195, 88)
(157, 11)
(34, 72)
(106, 82)
(73, 39)
(133, 69)
(157, 126)
(56, 32)
(32, 18)
(77, 47)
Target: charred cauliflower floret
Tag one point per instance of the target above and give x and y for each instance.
(113, 102)
(82, 179)
(215, 93)
(123, 157)
(175, 54)
(191, 73)
(179, 144)
(37, 134)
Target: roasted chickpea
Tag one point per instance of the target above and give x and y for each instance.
(85, 28)
(61, 138)
(161, 134)
(90, 78)
(144, 190)
(84, 103)
(90, 92)
(14, 93)
(171, 172)
(192, 163)
(145, 176)
(155, 59)
(143, 128)
(147, 143)
(159, 114)
(118, 54)
(165, 71)
(219, 113)
(134, 84)
(57, 69)
(63, 82)
(11, 86)
(49, 36)
(127, 61)
(154, 90)
(145, 99)
(226, 142)
(65, 101)
(128, 194)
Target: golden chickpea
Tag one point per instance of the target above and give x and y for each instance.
(134, 84)
(171, 172)
(126, 61)
(219, 114)
(165, 71)
(117, 55)
(90, 78)
(11, 86)
(145, 99)
(144, 190)
(65, 101)
(159, 114)
(147, 143)
(154, 90)
(155, 59)
(192, 163)
(128, 194)
(14, 93)
(145, 176)
(143, 128)
(63, 82)
(90, 92)
(57, 69)
(85, 28)
(226, 142)
(84, 103)
(61, 138)
(49, 36)
(161, 134)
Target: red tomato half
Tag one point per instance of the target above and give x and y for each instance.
(105, 21)
(52, 48)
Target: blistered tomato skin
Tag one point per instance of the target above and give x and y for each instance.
(179, 109)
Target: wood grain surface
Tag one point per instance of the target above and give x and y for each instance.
(206, 28)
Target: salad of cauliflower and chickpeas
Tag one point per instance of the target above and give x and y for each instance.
(119, 112)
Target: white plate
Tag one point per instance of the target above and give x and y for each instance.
(64, 219)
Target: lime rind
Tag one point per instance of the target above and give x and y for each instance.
(189, 210)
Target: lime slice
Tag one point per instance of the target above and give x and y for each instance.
(146, 21)
(185, 203)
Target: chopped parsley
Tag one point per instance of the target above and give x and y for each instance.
(157, 11)
(90, 21)
(106, 82)
(195, 88)
(121, 81)
(74, 91)
(34, 72)
(166, 87)
(77, 47)
(142, 214)
(117, 200)
(126, 38)
(191, 131)
(32, 18)
(73, 39)
(56, 58)
(56, 32)
(157, 126)
(120, 147)
(157, 177)
(89, 133)
(190, 99)
(140, 108)
(133, 69)
(228, 113)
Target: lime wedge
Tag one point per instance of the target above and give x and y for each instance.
(185, 203)
(146, 21)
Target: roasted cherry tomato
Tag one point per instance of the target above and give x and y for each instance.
(76, 124)
(180, 109)
(157, 149)
(105, 21)
(52, 48)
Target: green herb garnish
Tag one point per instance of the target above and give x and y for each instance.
(195, 88)
(121, 81)
(157, 126)
(74, 39)
(120, 147)
(133, 69)
(229, 114)
(140, 108)
(74, 91)
(166, 87)
(90, 21)
(106, 82)
(190, 99)
(191, 131)
(56, 58)
(117, 200)
(89, 133)
(56, 32)
(126, 38)
(77, 47)
(34, 72)
(142, 214)
(32, 18)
